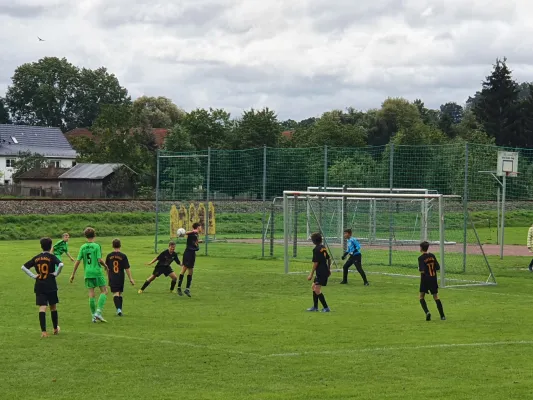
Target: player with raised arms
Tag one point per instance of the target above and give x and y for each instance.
(189, 258)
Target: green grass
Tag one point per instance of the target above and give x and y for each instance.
(238, 225)
(244, 335)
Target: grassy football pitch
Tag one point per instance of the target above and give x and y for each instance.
(245, 335)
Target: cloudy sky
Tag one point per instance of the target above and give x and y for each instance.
(298, 57)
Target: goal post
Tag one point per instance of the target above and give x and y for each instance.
(366, 209)
(395, 248)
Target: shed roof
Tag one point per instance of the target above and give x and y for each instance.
(90, 171)
(50, 173)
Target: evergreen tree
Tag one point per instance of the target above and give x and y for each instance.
(498, 106)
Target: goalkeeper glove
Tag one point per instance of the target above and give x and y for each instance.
(344, 256)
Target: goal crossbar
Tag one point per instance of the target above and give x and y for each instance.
(287, 193)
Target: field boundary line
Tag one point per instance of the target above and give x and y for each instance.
(402, 348)
(173, 342)
(490, 292)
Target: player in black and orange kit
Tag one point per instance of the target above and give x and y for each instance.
(428, 267)
(48, 267)
(117, 262)
(163, 267)
(322, 267)
(189, 258)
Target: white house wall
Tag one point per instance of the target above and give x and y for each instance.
(8, 172)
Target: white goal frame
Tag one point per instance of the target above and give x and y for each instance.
(425, 206)
(289, 195)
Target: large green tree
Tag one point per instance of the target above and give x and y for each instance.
(331, 130)
(498, 107)
(53, 92)
(257, 128)
(526, 120)
(158, 112)
(209, 128)
(117, 139)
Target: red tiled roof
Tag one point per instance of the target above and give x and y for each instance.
(287, 134)
(159, 134)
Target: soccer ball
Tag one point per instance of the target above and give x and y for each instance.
(181, 232)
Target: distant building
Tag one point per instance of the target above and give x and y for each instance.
(42, 182)
(96, 181)
(48, 142)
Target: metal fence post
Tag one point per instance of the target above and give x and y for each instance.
(391, 187)
(465, 208)
(208, 187)
(157, 188)
(263, 235)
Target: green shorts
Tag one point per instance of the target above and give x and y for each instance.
(91, 283)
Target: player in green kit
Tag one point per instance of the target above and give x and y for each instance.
(61, 247)
(94, 265)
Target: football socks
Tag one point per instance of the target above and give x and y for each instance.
(55, 319)
(440, 308)
(42, 320)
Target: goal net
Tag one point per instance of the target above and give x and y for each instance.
(363, 212)
(389, 227)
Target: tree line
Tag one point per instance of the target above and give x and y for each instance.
(53, 92)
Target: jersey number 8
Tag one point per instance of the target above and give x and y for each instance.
(115, 267)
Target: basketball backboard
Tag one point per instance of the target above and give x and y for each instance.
(507, 164)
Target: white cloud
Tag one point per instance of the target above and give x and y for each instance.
(299, 58)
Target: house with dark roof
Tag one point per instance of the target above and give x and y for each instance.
(40, 182)
(97, 181)
(46, 141)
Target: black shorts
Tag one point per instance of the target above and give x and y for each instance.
(321, 279)
(189, 258)
(116, 287)
(45, 299)
(353, 260)
(429, 285)
(158, 271)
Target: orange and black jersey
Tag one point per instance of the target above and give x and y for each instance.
(428, 265)
(321, 256)
(117, 263)
(165, 259)
(192, 241)
(45, 265)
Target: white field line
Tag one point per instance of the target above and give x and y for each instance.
(306, 353)
(490, 292)
(402, 348)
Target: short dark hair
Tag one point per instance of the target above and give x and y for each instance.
(196, 225)
(316, 238)
(46, 244)
(171, 243)
(348, 231)
(117, 244)
(424, 246)
(89, 232)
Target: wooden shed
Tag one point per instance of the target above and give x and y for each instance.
(95, 181)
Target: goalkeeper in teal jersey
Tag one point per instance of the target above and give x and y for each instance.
(61, 247)
(94, 265)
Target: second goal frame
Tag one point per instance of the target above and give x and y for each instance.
(314, 195)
